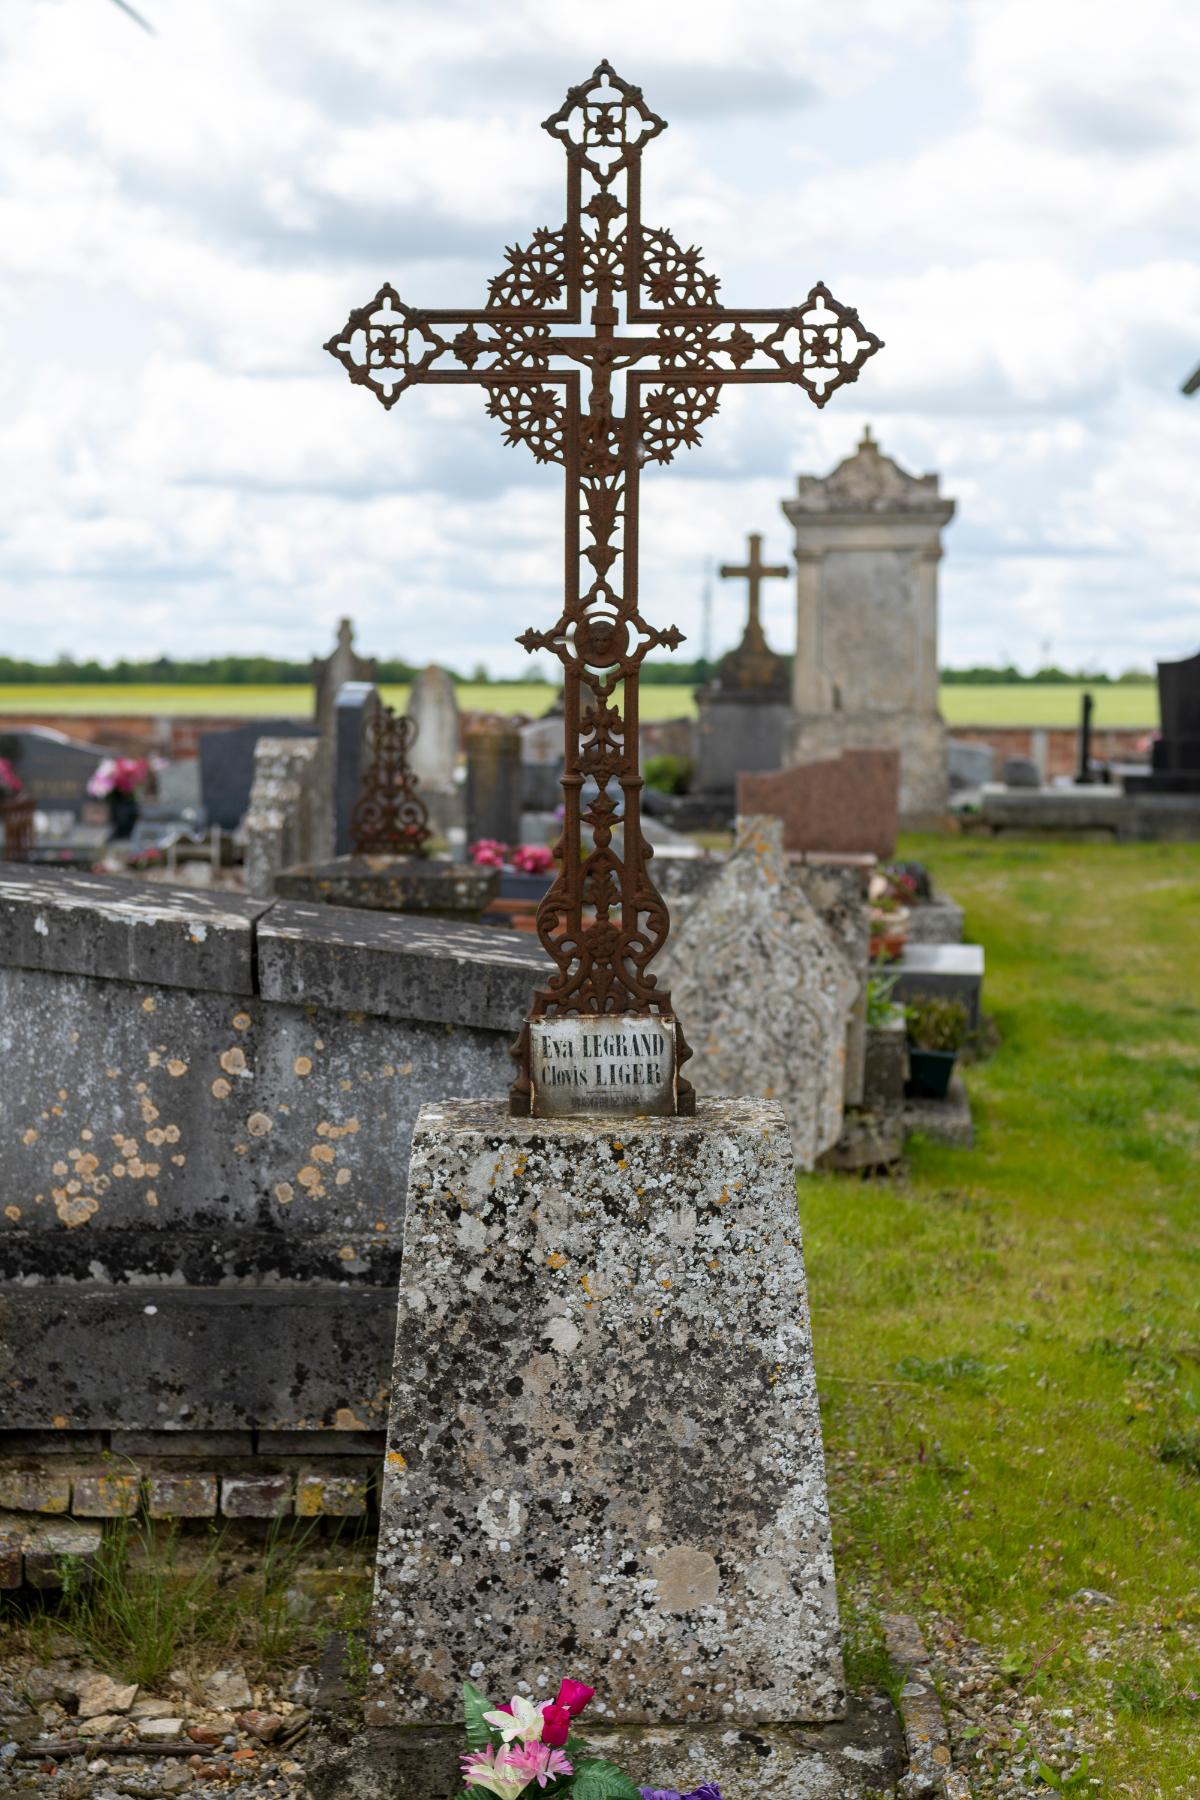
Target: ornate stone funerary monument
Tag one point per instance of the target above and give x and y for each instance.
(604, 1450)
(868, 543)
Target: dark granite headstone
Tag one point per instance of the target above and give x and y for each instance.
(1175, 756)
(356, 703)
(53, 768)
(494, 784)
(227, 766)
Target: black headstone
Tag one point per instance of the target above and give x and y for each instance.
(227, 766)
(1175, 758)
(53, 768)
(354, 706)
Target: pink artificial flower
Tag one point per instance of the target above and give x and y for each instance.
(508, 1772)
(102, 781)
(542, 1762)
(556, 1724)
(574, 1695)
(487, 853)
(10, 781)
(533, 859)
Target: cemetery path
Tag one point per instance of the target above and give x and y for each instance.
(1008, 1341)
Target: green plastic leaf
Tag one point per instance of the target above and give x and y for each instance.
(475, 1704)
(600, 1780)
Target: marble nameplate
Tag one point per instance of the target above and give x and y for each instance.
(615, 1066)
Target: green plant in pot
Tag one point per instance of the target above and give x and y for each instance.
(936, 1032)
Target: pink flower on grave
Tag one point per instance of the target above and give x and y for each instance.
(488, 853)
(558, 1714)
(533, 859)
(508, 1772)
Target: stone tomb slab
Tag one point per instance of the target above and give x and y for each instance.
(604, 1451)
(404, 884)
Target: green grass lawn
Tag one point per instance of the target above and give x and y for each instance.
(1020, 705)
(1008, 1339)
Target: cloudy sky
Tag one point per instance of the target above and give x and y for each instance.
(1008, 190)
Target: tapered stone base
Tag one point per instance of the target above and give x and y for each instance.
(604, 1457)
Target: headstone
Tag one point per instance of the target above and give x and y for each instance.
(653, 1481)
(494, 784)
(357, 704)
(941, 972)
(542, 764)
(1021, 772)
(846, 804)
(331, 673)
(289, 819)
(1175, 753)
(868, 542)
(53, 768)
(970, 765)
(744, 708)
(433, 707)
(178, 785)
(227, 766)
(766, 989)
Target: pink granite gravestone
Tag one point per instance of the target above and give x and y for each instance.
(847, 804)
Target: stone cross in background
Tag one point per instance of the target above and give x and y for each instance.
(552, 387)
(389, 817)
(331, 673)
(754, 664)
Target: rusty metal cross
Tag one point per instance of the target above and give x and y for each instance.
(552, 388)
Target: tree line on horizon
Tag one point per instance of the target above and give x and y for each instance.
(272, 671)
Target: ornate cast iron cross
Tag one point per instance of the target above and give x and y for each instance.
(389, 817)
(551, 386)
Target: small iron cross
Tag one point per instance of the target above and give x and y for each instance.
(551, 387)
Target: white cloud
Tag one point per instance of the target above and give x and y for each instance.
(1007, 192)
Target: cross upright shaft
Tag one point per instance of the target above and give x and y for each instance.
(552, 388)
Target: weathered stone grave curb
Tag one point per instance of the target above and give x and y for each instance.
(196, 1236)
(871, 1754)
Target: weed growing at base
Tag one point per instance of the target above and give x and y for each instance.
(158, 1596)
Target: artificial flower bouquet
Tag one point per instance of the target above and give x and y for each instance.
(119, 775)
(529, 859)
(529, 1747)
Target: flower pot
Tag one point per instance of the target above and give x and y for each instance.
(929, 1073)
(122, 814)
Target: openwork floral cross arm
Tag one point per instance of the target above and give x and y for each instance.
(551, 384)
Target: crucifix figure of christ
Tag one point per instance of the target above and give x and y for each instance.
(755, 661)
(553, 387)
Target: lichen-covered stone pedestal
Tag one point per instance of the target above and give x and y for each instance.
(604, 1455)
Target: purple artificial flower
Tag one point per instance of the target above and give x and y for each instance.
(708, 1791)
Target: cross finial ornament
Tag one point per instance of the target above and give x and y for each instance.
(551, 385)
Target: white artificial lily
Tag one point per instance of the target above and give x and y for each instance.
(524, 1721)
